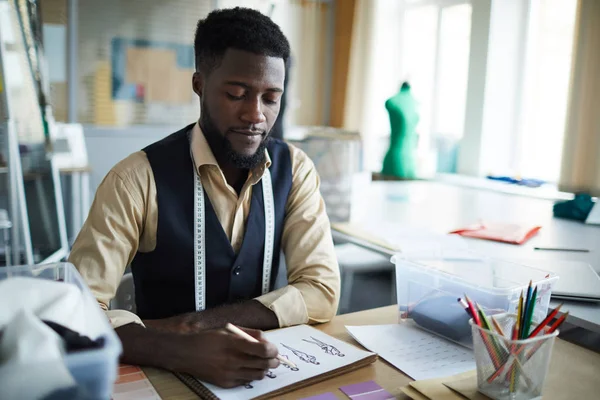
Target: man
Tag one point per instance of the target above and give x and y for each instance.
(202, 215)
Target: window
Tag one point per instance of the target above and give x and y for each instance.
(435, 61)
(546, 89)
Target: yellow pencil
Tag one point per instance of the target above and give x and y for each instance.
(237, 331)
(519, 312)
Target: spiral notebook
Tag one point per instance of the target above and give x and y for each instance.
(317, 355)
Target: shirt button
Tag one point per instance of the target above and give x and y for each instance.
(237, 270)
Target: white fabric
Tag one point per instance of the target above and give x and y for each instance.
(32, 362)
(54, 301)
(31, 359)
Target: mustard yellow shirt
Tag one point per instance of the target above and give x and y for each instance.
(124, 216)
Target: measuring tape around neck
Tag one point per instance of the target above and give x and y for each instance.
(199, 235)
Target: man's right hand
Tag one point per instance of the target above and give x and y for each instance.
(226, 360)
(214, 355)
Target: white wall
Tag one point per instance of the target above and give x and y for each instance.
(107, 146)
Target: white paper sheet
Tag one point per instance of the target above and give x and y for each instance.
(417, 353)
(314, 353)
(413, 240)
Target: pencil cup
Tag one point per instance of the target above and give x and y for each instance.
(511, 369)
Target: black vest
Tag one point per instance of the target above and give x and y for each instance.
(164, 277)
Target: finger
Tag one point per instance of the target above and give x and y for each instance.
(261, 349)
(256, 334)
(248, 375)
(253, 362)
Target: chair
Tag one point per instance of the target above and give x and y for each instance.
(125, 297)
(354, 259)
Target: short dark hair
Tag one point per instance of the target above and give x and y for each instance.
(239, 28)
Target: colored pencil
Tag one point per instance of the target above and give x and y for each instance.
(473, 311)
(552, 329)
(545, 322)
(531, 352)
(519, 312)
(500, 352)
(524, 312)
(513, 371)
(558, 322)
(237, 331)
(497, 326)
(465, 306)
(484, 321)
(489, 346)
(530, 313)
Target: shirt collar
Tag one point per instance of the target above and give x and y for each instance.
(203, 155)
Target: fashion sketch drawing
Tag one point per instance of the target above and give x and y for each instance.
(307, 358)
(327, 348)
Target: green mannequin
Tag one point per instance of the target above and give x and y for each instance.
(400, 159)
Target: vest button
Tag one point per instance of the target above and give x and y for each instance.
(237, 270)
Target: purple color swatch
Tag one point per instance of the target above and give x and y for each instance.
(324, 396)
(366, 391)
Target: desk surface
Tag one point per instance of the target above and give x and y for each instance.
(573, 369)
(443, 207)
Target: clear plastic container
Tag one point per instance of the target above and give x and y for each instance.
(95, 371)
(511, 369)
(429, 285)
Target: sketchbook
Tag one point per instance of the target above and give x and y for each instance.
(317, 356)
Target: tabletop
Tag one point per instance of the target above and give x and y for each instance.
(573, 369)
(443, 207)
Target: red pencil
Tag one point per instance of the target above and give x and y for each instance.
(473, 311)
(545, 322)
(558, 322)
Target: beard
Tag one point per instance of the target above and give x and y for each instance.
(220, 145)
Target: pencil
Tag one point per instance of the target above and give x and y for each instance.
(497, 326)
(519, 312)
(513, 371)
(500, 353)
(491, 351)
(545, 322)
(484, 321)
(530, 313)
(237, 331)
(524, 312)
(552, 329)
(558, 322)
(561, 249)
(465, 306)
(534, 349)
(473, 311)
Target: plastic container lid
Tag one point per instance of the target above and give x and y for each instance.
(473, 269)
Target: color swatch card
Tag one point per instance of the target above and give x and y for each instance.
(366, 391)
(317, 356)
(132, 384)
(414, 351)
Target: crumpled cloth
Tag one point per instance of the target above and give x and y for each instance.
(576, 209)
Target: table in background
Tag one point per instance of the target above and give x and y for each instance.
(443, 207)
(573, 369)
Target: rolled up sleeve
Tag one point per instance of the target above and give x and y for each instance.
(313, 290)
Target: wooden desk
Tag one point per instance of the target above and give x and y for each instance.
(573, 369)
